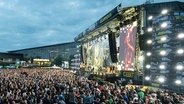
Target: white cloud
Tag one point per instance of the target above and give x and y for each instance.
(2, 4)
(18, 44)
(49, 21)
(74, 4)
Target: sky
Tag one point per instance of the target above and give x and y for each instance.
(33, 23)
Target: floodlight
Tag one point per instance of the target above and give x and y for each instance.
(179, 67)
(150, 29)
(180, 51)
(164, 25)
(148, 66)
(163, 39)
(165, 11)
(149, 41)
(150, 17)
(181, 35)
(162, 66)
(148, 53)
(161, 79)
(178, 82)
(147, 78)
(163, 52)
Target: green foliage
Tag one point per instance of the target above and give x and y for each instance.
(58, 61)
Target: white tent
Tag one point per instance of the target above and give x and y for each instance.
(55, 67)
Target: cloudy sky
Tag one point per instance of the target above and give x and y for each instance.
(32, 23)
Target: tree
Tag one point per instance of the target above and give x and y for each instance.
(57, 61)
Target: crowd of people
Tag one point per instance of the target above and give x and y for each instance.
(43, 86)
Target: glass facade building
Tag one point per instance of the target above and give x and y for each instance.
(65, 50)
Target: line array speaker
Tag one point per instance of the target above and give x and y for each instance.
(112, 47)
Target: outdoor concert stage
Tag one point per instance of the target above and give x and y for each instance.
(146, 40)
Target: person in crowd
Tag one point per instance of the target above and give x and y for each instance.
(141, 95)
(42, 86)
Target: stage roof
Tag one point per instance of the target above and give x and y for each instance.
(111, 19)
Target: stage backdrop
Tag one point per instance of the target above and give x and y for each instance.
(96, 54)
(127, 46)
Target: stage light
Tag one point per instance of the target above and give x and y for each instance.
(163, 52)
(149, 41)
(121, 29)
(163, 38)
(179, 67)
(178, 82)
(134, 23)
(181, 35)
(148, 66)
(150, 17)
(147, 78)
(164, 25)
(150, 29)
(165, 11)
(141, 58)
(180, 51)
(161, 79)
(122, 62)
(162, 66)
(148, 53)
(119, 67)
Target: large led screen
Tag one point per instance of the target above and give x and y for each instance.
(96, 54)
(127, 46)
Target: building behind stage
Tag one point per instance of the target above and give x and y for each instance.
(154, 44)
(66, 51)
(7, 59)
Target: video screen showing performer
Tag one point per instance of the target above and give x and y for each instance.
(127, 46)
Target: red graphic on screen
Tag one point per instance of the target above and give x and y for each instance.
(127, 46)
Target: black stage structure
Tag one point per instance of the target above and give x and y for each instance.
(138, 43)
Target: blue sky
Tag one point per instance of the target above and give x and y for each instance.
(32, 23)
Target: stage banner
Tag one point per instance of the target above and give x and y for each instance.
(108, 17)
(127, 46)
(98, 55)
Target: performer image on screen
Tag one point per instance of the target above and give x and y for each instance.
(127, 46)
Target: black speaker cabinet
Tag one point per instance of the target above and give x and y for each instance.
(112, 47)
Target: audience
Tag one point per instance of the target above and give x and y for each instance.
(42, 86)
